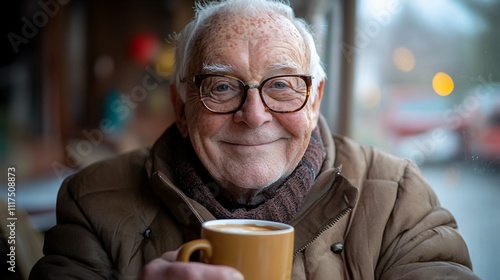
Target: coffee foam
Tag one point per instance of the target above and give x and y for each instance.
(243, 228)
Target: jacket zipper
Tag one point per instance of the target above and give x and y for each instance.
(325, 228)
(184, 198)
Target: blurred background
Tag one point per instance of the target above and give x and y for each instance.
(81, 81)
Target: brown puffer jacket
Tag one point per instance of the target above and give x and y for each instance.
(373, 218)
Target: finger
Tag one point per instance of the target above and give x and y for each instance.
(191, 270)
(166, 268)
(156, 269)
(170, 256)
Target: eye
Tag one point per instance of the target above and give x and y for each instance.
(221, 87)
(279, 85)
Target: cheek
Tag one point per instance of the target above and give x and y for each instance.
(195, 116)
(203, 126)
(299, 124)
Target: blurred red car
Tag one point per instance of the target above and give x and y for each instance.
(483, 136)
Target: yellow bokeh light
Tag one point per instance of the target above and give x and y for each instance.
(403, 59)
(443, 84)
(165, 63)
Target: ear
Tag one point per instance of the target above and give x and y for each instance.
(179, 110)
(317, 100)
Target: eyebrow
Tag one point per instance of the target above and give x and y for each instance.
(218, 68)
(285, 66)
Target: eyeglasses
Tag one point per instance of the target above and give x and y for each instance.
(224, 94)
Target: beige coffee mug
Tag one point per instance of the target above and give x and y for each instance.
(260, 250)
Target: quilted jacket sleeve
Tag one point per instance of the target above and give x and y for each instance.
(71, 249)
(421, 239)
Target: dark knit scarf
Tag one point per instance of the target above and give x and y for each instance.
(283, 199)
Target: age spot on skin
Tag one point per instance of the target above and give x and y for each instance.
(237, 29)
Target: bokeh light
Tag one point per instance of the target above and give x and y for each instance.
(165, 62)
(443, 84)
(404, 59)
(370, 96)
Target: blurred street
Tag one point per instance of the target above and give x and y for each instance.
(470, 189)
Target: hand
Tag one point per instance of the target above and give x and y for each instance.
(166, 268)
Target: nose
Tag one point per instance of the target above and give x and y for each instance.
(253, 112)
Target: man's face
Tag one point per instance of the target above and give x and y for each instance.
(253, 147)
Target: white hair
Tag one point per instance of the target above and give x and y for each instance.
(205, 11)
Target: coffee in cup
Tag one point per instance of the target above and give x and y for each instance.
(243, 228)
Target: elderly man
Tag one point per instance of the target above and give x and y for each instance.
(249, 142)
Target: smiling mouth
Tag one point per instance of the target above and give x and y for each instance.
(251, 144)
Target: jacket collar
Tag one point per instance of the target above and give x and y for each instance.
(187, 211)
(332, 197)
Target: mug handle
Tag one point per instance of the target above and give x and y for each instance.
(189, 248)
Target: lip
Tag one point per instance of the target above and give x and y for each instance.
(258, 144)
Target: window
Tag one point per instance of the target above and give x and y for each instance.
(426, 86)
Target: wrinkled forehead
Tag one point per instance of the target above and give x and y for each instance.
(244, 26)
(221, 28)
